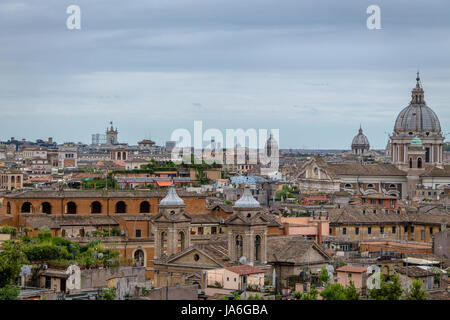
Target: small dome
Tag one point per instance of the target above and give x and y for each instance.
(247, 200)
(416, 141)
(172, 198)
(360, 140)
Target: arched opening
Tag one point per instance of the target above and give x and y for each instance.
(121, 207)
(144, 207)
(124, 156)
(163, 243)
(419, 163)
(182, 240)
(13, 179)
(26, 207)
(410, 163)
(8, 208)
(139, 258)
(96, 207)
(239, 246)
(257, 248)
(46, 208)
(71, 207)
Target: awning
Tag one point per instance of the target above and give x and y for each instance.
(164, 183)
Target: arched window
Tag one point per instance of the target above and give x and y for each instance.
(46, 208)
(144, 207)
(419, 163)
(348, 185)
(182, 240)
(121, 207)
(71, 207)
(392, 186)
(163, 242)
(139, 257)
(257, 248)
(370, 185)
(410, 162)
(239, 246)
(96, 207)
(13, 179)
(26, 207)
(8, 208)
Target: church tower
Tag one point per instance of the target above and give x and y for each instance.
(111, 135)
(417, 120)
(247, 231)
(171, 226)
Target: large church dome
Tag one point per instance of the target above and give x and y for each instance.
(417, 117)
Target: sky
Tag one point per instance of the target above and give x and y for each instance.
(311, 69)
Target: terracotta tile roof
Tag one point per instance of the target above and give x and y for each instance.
(366, 169)
(244, 270)
(291, 249)
(205, 218)
(414, 271)
(54, 222)
(41, 194)
(352, 269)
(437, 172)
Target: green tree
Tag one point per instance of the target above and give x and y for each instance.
(416, 292)
(351, 292)
(108, 294)
(390, 289)
(311, 294)
(9, 292)
(335, 291)
(324, 276)
(297, 295)
(11, 260)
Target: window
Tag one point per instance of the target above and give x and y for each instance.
(48, 282)
(71, 207)
(356, 230)
(393, 186)
(344, 231)
(381, 230)
(431, 231)
(96, 207)
(26, 207)
(369, 230)
(139, 258)
(394, 229)
(138, 233)
(144, 207)
(228, 278)
(330, 231)
(348, 185)
(375, 211)
(370, 185)
(412, 229)
(422, 234)
(213, 230)
(196, 257)
(46, 208)
(8, 208)
(200, 230)
(121, 207)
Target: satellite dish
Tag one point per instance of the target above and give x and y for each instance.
(243, 260)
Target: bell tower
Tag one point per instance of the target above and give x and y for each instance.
(247, 231)
(171, 226)
(111, 135)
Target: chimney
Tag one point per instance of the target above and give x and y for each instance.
(50, 140)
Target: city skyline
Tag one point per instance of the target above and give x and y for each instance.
(314, 71)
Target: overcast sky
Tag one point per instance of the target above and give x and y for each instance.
(314, 71)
